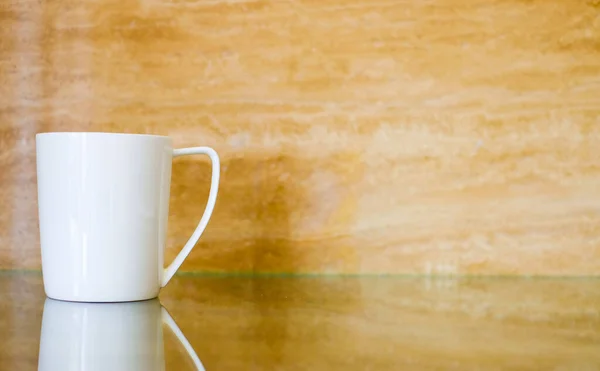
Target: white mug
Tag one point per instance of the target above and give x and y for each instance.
(103, 209)
(101, 336)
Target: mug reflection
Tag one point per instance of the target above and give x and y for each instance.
(97, 336)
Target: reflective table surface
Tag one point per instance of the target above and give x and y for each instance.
(309, 323)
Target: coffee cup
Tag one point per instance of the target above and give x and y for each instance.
(103, 208)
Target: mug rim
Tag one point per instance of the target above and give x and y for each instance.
(97, 133)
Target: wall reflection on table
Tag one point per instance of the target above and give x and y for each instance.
(106, 336)
(342, 323)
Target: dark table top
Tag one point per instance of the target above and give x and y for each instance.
(310, 323)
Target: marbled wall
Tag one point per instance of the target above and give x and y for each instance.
(358, 136)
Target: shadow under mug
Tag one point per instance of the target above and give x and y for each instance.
(103, 209)
(100, 336)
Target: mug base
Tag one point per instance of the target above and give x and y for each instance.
(100, 301)
(101, 298)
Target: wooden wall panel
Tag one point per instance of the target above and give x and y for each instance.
(427, 137)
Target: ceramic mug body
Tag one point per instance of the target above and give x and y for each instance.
(103, 208)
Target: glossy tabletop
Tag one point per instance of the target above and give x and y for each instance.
(310, 323)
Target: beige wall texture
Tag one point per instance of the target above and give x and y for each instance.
(357, 136)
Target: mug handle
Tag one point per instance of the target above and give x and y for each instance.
(210, 205)
(166, 318)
